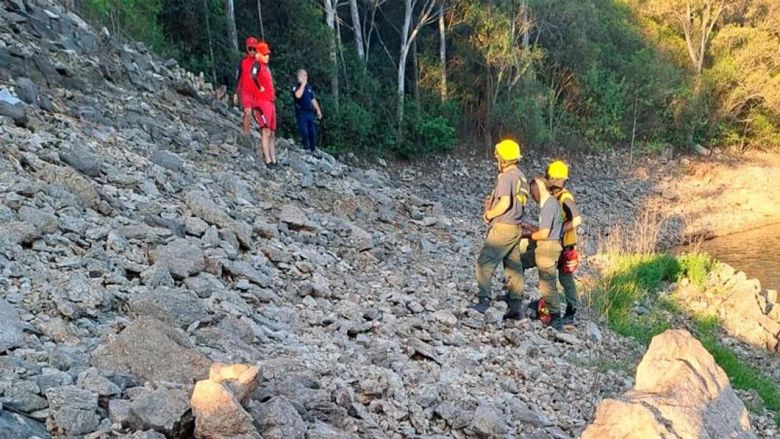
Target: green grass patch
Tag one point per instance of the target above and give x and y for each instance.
(696, 267)
(742, 375)
(629, 281)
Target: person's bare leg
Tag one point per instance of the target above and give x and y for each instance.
(272, 145)
(265, 134)
(247, 119)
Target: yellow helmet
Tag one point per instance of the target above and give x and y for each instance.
(558, 169)
(508, 150)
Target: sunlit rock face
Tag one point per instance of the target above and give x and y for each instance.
(679, 392)
(216, 402)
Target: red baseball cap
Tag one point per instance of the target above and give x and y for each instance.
(263, 48)
(251, 42)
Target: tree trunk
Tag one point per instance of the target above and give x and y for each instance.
(408, 35)
(402, 61)
(416, 77)
(330, 19)
(260, 18)
(207, 12)
(526, 26)
(697, 50)
(231, 17)
(357, 29)
(443, 54)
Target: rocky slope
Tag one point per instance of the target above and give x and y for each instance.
(140, 244)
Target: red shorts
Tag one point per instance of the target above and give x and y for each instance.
(249, 100)
(265, 114)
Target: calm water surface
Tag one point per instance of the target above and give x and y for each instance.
(756, 252)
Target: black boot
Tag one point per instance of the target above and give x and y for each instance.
(568, 317)
(514, 312)
(533, 308)
(556, 322)
(482, 305)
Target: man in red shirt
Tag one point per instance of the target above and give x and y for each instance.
(265, 109)
(245, 88)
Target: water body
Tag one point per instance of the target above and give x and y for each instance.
(756, 252)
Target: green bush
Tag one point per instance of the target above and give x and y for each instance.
(424, 133)
(351, 128)
(136, 19)
(605, 102)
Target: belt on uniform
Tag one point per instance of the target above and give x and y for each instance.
(505, 225)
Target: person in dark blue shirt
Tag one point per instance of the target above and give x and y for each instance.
(306, 108)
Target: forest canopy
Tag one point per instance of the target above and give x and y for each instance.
(421, 76)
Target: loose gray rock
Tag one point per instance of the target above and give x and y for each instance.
(296, 218)
(14, 425)
(16, 112)
(11, 335)
(24, 396)
(26, 90)
(18, 232)
(181, 257)
(157, 276)
(43, 221)
(195, 226)
(91, 380)
(82, 160)
(149, 434)
(488, 422)
(154, 351)
(173, 307)
(164, 410)
(119, 411)
(278, 419)
(73, 409)
(167, 160)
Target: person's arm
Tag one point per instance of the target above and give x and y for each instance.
(545, 222)
(317, 108)
(499, 209)
(299, 91)
(574, 214)
(256, 76)
(238, 83)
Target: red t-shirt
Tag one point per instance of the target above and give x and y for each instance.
(245, 87)
(261, 74)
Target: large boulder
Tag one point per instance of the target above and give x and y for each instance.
(679, 392)
(154, 351)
